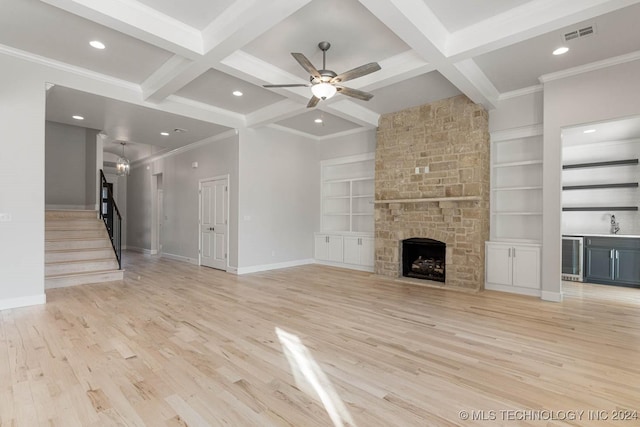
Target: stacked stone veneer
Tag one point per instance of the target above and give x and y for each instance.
(451, 137)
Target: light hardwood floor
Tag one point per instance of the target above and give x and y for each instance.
(175, 345)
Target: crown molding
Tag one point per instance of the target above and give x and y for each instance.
(520, 92)
(52, 63)
(598, 65)
(315, 137)
(224, 117)
(224, 135)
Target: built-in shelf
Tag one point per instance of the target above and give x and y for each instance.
(337, 214)
(516, 213)
(432, 199)
(363, 196)
(536, 187)
(333, 181)
(599, 208)
(513, 164)
(600, 186)
(337, 197)
(628, 162)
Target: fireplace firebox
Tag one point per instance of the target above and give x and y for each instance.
(424, 259)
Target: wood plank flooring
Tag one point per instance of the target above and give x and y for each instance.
(178, 345)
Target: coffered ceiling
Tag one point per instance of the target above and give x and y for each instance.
(195, 53)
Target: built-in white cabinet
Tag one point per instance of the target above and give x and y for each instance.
(329, 247)
(359, 250)
(513, 267)
(347, 193)
(512, 256)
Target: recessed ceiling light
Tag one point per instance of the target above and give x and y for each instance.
(318, 120)
(237, 93)
(589, 131)
(561, 50)
(78, 117)
(97, 44)
(164, 133)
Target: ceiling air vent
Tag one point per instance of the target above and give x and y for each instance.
(579, 33)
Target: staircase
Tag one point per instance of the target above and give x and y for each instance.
(77, 250)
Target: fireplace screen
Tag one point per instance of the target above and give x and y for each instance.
(424, 259)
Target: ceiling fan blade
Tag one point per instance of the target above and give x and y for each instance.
(289, 85)
(306, 64)
(313, 102)
(360, 71)
(354, 93)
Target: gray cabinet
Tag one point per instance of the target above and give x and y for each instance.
(612, 260)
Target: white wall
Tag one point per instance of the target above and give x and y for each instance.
(600, 222)
(279, 200)
(65, 166)
(22, 112)
(599, 95)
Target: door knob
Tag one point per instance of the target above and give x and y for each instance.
(211, 228)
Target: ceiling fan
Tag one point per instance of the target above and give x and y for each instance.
(325, 83)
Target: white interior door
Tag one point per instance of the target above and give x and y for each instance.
(214, 223)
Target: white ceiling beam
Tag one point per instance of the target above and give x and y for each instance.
(395, 69)
(205, 112)
(242, 22)
(139, 21)
(274, 113)
(524, 22)
(353, 112)
(418, 27)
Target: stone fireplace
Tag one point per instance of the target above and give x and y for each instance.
(449, 203)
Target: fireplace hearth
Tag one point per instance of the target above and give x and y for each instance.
(424, 259)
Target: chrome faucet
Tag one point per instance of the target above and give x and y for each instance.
(615, 225)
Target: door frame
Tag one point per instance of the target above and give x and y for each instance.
(227, 197)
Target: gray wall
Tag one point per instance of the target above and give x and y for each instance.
(91, 176)
(274, 194)
(180, 191)
(350, 145)
(65, 166)
(279, 200)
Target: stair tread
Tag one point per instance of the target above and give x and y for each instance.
(84, 273)
(80, 261)
(56, 239)
(73, 250)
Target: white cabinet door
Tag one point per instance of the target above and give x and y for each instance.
(352, 250)
(499, 267)
(321, 243)
(526, 266)
(367, 251)
(335, 249)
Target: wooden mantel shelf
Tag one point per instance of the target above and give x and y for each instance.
(432, 199)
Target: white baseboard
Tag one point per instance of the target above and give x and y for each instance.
(279, 265)
(6, 304)
(141, 250)
(53, 207)
(343, 265)
(179, 258)
(232, 270)
(512, 289)
(551, 296)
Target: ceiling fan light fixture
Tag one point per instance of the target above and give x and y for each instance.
(323, 90)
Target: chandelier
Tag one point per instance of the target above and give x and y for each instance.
(122, 164)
